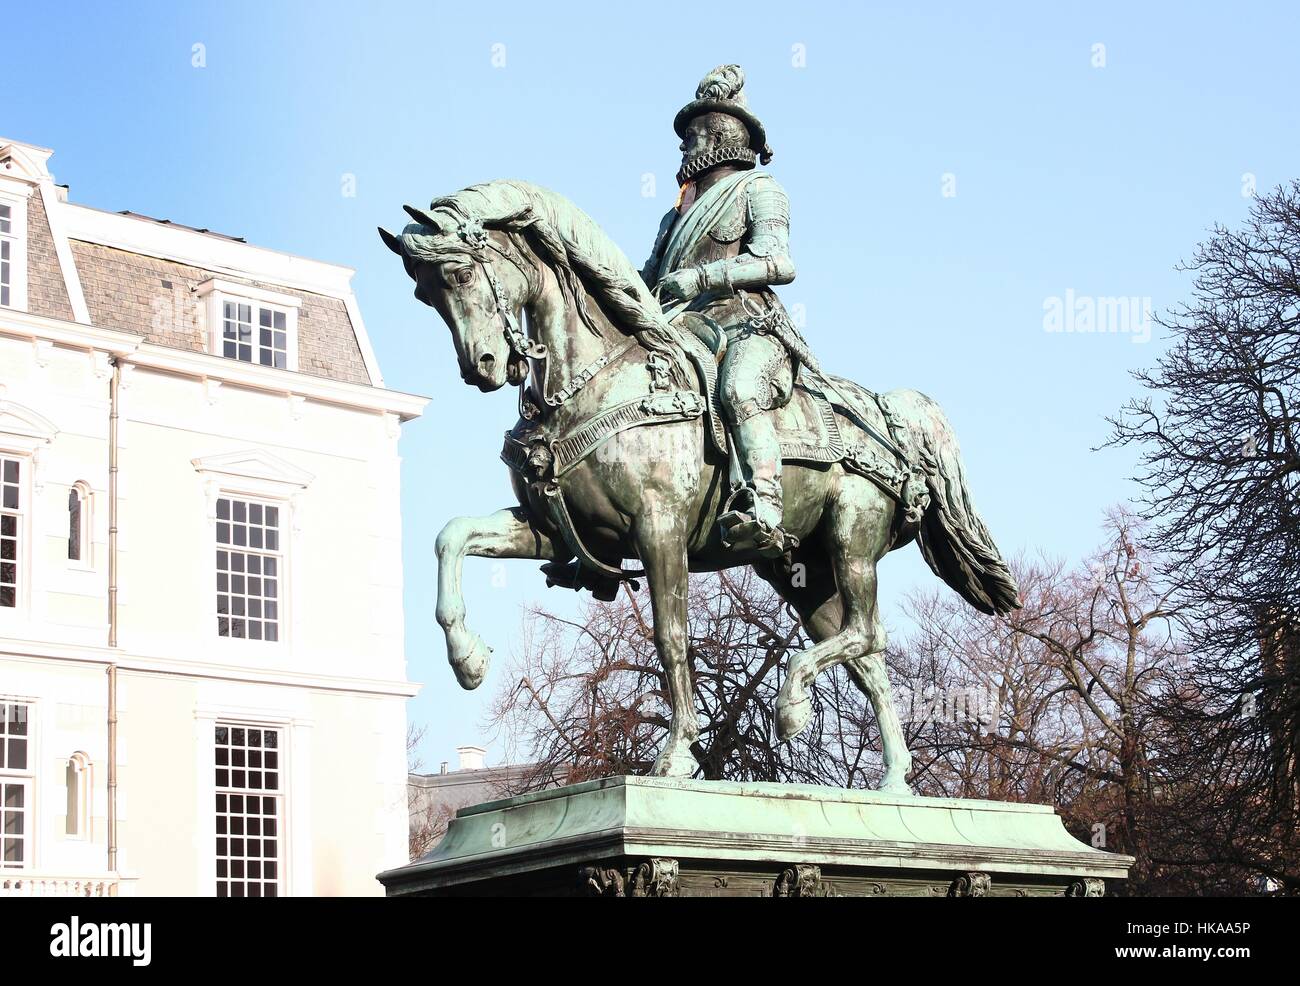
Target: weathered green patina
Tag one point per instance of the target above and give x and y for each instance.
(645, 836)
(621, 449)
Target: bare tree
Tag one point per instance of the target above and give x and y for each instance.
(1052, 702)
(589, 696)
(1220, 467)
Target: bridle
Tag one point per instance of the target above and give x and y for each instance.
(471, 230)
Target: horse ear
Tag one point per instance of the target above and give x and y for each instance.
(391, 241)
(422, 217)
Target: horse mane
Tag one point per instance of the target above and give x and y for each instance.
(572, 243)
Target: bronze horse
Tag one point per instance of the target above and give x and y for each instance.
(613, 458)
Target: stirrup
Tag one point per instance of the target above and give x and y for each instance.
(741, 530)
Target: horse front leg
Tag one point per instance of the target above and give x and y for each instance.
(660, 535)
(508, 533)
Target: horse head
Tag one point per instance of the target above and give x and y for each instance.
(450, 258)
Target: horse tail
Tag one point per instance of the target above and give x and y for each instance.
(952, 536)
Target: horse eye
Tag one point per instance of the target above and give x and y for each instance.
(464, 275)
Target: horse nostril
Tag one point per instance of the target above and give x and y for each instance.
(486, 362)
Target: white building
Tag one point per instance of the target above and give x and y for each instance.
(202, 677)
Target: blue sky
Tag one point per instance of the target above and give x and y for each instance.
(1068, 177)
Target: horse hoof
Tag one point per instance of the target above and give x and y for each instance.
(470, 663)
(675, 764)
(792, 717)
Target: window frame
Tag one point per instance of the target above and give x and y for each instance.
(280, 554)
(23, 528)
(24, 778)
(26, 435)
(282, 731)
(86, 540)
(219, 292)
(17, 240)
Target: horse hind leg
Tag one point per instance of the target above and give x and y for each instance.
(872, 678)
(837, 603)
(821, 609)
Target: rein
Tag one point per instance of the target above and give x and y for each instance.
(525, 348)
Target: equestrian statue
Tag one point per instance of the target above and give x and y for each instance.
(675, 418)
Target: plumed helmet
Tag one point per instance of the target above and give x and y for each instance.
(722, 91)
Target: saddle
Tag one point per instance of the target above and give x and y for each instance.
(826, 420)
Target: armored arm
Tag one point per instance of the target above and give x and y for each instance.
(766, 257)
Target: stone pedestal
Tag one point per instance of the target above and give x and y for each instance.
(654, 837)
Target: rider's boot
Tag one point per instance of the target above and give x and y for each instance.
(751, 518)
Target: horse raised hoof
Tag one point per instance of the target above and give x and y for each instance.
(469, 657)
(793, 713)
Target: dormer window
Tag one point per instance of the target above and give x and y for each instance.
(252, 325)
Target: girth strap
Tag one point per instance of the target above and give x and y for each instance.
(541, 462)
(559, 512)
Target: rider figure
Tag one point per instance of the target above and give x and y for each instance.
(718, 253)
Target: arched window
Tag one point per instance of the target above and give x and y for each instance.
(79, 523)
(77, 775)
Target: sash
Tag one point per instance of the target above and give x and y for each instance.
(702, 216)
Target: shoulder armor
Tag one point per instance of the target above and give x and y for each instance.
(767, 200)
(769, 218)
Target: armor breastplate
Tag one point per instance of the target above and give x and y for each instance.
(723, 240)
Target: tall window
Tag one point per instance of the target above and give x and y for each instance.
(249, 569)
(250, 811)
(15, 786)
(75, 518)
(11, 524)
(7, 253)
(77, 777)
(255, 333)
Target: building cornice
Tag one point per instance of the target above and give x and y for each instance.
(73, 335)
(133, 350)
